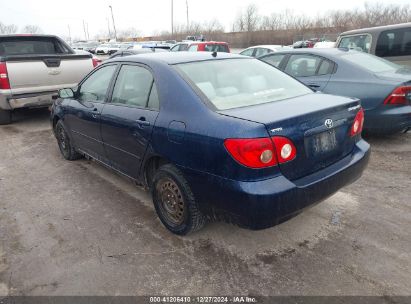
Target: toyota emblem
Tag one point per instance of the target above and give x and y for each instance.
(328, 123)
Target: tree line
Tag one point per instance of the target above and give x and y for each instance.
(251, 27)
(13, 29)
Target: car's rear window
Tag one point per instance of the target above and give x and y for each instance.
(31, 46)
(371, 63)
(234, 83)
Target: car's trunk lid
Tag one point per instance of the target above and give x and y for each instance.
(306, 121)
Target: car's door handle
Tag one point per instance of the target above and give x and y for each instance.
(142, 122)
(313, 85)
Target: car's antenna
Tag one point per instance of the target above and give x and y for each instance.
(214, 54)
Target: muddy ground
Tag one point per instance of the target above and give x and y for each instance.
(76, 228)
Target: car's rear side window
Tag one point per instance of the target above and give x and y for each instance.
(31, 46)
(394, 43)
(274, 59)
(234, 83)
(193, 48)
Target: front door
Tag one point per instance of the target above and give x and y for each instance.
(85, 109)
(127, 121)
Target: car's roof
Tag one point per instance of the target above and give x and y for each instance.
(30, 35)
(180, 57)
(208, 42)
(268, 46)
(330, 51)
(377, 29)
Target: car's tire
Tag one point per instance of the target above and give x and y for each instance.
(5, 117)
(63, 140)
(174, 202)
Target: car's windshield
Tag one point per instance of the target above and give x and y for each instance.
(371, 63)
(234, 83)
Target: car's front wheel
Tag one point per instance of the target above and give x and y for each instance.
(65, 146)
(5, 117)
(174, 201)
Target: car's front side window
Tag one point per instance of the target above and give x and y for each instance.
(95, 87)
(133, 86)
(360, 43)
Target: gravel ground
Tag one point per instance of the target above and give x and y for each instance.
(76, 228)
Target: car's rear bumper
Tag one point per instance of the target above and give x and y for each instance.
(35, 100)
(265, 203)
(388, 119)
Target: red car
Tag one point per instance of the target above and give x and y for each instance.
(208, 46)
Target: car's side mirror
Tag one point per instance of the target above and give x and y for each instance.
(66, 93)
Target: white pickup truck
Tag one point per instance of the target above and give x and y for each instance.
(34, 67)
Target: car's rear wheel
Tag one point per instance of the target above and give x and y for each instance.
(65, 146)
(5, 117)
(174, 201)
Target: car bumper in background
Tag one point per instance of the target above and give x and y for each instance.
(388, 119)
(263, 204)
(10, 102)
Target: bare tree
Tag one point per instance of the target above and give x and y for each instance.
(31, 29)
(8, 29)
(130, 32)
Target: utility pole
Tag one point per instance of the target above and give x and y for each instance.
(108, 27)
(114, 25)
(88, 34)
(69, 32)
(188, 25)
(172, 20)
(84, 28)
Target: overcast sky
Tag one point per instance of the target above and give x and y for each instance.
(149, 16)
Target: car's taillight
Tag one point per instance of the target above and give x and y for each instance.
(400, 96)
(261, 152)
(4, 78)
(285, 149)
(358, 123)
(96, 61)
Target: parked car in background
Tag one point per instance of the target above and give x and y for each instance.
(392, 42)
(179, 47)
(260, 50)
(213, 137)
(303, 44)
(103, 49)
(324, 44)
(34, 67)
(383, 87)
(129, 52)
(208, 46)
(86, 46)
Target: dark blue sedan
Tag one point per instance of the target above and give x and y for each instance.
(213, 136)
(384, 88)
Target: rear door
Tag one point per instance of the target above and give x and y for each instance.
(83, 117)
(314, 71)
(127, 121)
